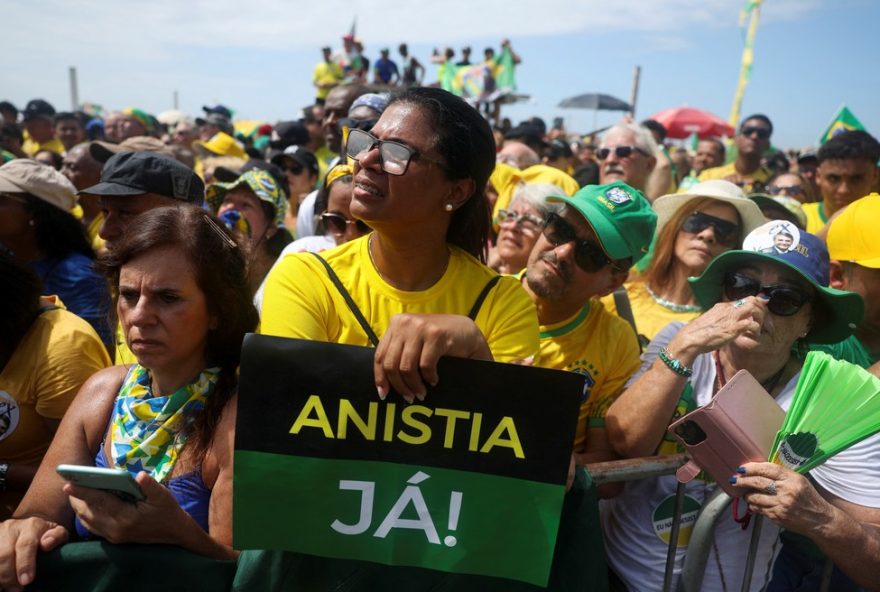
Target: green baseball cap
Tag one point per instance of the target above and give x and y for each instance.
(620, 215)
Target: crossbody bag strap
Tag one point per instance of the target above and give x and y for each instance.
(625, 311)
(478, 304)
(358, 315)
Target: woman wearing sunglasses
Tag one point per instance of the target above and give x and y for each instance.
(762, 306)
(419, 182)
(692, 229)
(520, 225)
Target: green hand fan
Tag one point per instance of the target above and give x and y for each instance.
(836, 404)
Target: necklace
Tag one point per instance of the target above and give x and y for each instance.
(768, 384)
(672, 305)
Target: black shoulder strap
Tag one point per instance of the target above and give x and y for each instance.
(478, 304)
(624, 310)
(349, 301)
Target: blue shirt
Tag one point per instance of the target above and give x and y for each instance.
(385, 68)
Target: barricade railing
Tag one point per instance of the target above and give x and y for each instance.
(700, 543)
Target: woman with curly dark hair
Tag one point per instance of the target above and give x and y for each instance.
(183, 302)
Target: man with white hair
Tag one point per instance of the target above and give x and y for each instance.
(627, 153)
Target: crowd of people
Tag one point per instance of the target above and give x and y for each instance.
(139, 249)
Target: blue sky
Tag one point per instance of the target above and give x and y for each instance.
(811, 56)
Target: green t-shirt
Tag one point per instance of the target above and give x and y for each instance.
(849, 350)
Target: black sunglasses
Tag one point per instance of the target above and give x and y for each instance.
(619, 151)
(588, 255)
(394, 157)
(762, 132)
(726, 232)
(352, 123)
(338, 223)
(784, 300)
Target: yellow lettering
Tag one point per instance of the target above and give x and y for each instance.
(476, 423)
(388, 433)
(423, 429)
(505, 425)
(347, 413)
(304, 420)
(451, 415)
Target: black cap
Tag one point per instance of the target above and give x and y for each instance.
(303, 156)
(219, 120)
(220, 109)
(38, 108)
(136, 173)
(289, 133)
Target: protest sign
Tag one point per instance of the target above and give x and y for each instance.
(471, 480)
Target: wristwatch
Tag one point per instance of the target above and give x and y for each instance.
(4, 468)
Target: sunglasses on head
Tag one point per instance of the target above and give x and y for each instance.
(726, 233)
(784, 300)
(785, 190)
(762, 132)
(588, 255)
(619, 151)
(338, 224)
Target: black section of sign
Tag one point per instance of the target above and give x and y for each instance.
(279, 375)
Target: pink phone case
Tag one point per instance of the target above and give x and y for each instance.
(739, 426)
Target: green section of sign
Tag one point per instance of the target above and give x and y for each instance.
(397, 514)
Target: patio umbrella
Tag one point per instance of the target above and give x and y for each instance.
(681, 122)
(596, 102)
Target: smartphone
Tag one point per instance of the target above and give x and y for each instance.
(118, 481)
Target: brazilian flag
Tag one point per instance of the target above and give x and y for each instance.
(844, 121)
(469, 481)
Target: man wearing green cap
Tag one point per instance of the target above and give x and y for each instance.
(585, 252)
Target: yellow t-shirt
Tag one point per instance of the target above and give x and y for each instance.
(816, 218)
(31, 148)
(323, 155)
(728, 173)
(52, 361)
(599, 346)
(650, 316)
(301, 301)
(325, 73)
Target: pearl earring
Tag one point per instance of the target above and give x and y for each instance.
(449, 207)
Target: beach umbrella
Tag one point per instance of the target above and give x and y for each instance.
(681, 122)
(594, 101)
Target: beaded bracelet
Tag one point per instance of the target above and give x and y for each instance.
(675, 364)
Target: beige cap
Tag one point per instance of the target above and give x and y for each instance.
(24, 175)
(102, 151)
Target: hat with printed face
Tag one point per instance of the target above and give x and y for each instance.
(853, 236)
(136, 173)
(24, 175)
(803, 253)
(262, 185)
(620, 215)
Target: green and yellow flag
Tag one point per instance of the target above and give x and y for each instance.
(844, 121)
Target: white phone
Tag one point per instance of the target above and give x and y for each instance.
(118, 481)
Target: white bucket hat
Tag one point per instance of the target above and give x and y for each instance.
(667, 205)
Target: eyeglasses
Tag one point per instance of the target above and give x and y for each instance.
(762, 132)
(394, 157)
(588, 255)
(789, 190)
(351, 123)
(726, 233)
(526, 221)
(338, 224)
(784, 300)
(619, 151)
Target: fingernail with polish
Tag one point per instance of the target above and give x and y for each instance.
(420, 396)
(732, 480)
(741, 470)
(383, 392)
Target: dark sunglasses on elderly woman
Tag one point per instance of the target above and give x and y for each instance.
(784, 300)
(726, 233)
(588, 255)
(338, 223)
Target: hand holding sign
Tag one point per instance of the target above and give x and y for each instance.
(408, 352)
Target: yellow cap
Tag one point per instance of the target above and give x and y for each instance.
(853, 235)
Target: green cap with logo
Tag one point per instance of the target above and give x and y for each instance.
(620, 215)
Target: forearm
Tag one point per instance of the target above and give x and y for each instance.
(190, 536)
(852, 545)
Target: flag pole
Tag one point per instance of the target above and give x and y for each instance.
(753, 10)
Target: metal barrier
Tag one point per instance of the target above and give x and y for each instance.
(700, 544)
